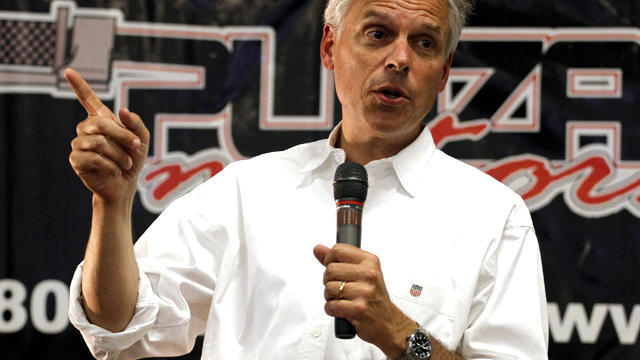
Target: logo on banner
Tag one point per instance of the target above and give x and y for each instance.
(585, 165)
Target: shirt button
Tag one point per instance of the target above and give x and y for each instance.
(316, 333)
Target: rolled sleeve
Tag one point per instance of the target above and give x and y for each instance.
(103, 343)
(178, 259)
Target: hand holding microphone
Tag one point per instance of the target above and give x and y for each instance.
(355, 291)
(350, 187)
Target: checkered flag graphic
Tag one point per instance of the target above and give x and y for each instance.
(27, 42)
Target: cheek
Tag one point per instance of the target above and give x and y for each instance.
(342, 84)
(431, 79)
(434, 72)
(348, 78)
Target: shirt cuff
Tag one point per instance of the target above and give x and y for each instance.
(103, 343)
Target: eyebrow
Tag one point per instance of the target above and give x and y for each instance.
(386, 17)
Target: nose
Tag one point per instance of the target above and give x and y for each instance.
(398, 59)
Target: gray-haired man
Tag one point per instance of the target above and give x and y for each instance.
(462, 273)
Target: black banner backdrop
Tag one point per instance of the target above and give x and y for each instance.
(542, 96)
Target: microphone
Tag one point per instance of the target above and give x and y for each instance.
(350, 191)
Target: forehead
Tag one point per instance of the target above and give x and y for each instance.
(431, 12)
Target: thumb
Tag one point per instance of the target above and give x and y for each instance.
(134, 123)
(320, 252)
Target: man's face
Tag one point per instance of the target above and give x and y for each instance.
(389, 64)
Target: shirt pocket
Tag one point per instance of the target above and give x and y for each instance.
(435, 306)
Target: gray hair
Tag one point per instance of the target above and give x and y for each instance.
(459, 10)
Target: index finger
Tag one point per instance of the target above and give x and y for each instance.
(344, 253)
(86, 95)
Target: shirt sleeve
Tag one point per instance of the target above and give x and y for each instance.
(102, 343)
(508, 318)
(179, 258)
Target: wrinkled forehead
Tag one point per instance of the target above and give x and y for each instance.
(433, 14)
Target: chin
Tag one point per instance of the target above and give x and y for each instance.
(388, 127)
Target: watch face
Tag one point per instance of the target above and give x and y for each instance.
(420, 345)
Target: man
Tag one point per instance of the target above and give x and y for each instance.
(460, 259)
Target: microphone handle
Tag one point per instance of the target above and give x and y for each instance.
(347, 234)
(343, 329)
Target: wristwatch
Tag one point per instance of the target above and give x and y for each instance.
(418, 345)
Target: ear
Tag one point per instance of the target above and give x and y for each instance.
(445, 73)
(326, 46)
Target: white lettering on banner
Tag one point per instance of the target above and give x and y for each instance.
(575, 316)
(13, 314)
(627, 331)
(589, 328)
(39, 318)
(12, 295)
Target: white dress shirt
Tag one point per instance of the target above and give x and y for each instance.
(233, 260)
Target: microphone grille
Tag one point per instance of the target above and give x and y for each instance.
(350, 181)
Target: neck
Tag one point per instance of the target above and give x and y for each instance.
(364, 149)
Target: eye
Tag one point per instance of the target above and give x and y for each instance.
(425, 43)
(375, 34)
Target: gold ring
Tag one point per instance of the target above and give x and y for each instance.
(341, 289)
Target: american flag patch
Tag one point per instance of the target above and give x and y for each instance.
(415, 290)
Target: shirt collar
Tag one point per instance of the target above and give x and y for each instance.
(326, 151)
(409, 165)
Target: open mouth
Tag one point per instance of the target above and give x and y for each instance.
(392, 94)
